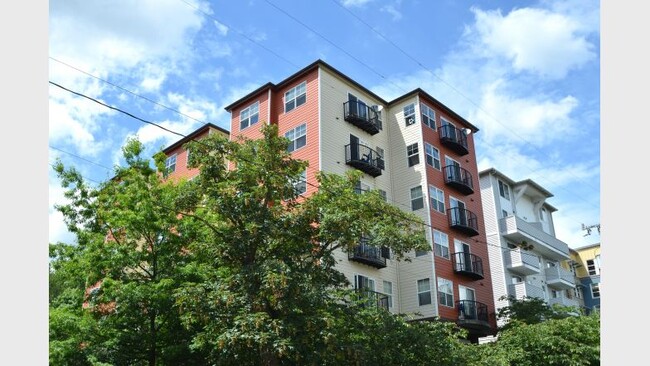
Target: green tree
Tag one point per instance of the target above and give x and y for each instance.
(130, 242)
(532, 310)
(267, 291)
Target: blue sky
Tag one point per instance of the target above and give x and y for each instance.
(526, 73)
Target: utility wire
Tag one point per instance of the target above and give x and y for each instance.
(79, 157)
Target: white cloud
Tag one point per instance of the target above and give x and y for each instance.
(532, 119)
(392, 11)
(221, 28)
(57, 230)
(354, 3)
(537, 40)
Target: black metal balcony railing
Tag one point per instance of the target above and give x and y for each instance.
(371, 298)
(364, 158)
(472, 310)
(362, 116)
(468, 264)
(368, 254)
(454, 139)
(459, 178)
(463, 220)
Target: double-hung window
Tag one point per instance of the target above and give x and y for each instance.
(441, 244)
(295, 97)
(417, 200)
(388, 291)
(428, 116)
(437, 198)
(445, 292)
(249, 115)
(297, 137)
(595, 290)
(413, 154)
(424, 292)
(409, 114)
(504, 190)
(432, 155)
(170, 164)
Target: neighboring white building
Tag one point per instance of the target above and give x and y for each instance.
(526, 259)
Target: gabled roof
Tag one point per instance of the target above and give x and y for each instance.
(320, 63)
(192, 135)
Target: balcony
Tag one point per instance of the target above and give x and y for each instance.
(468, 264)
(523, 289)
(454, 139)
(369, 255)
(463, 220)
(519, 230)
(559, 278)
(361, 116)
(364, 158)
(371, 298)
(521, 262)
(564, 301)
(473, 315)
(459, 179)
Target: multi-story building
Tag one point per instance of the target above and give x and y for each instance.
(587, 264)
(420, 155)
(526, 259)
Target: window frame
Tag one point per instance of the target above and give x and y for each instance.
(168, 165)
(407, 117)
(445, 284)
(597, 287)
(504, 190)
(434, 202)
(425, 110)
(300, 185)
(388, 293)
(428, 291)
(440, 244)
(434, 159)
(413, 154)
(294, 99)
(294, 140)
(421, 197)
(250, 115)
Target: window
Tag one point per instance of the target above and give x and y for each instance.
(577, 292)
(428, 116)
(445, 292)
(412, 152)
(504, 190)
(516, 279)
(437, 198)
(432, 155)
(300, 185)
(249, 116)
(297, 137)
(382, 193)
(595, 290)
(388, 291)
(295, 97)
(591, 267)
(441, 244)
(504, 213)
(542, 214)
(424, 292)
(555, 294)
(170, 164)
(417, 201)
(419, 253)
(361, 187)
(380, 152)
(378, 120)
(409, 114)
(187, 158)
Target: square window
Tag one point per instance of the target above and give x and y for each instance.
(417, 200)
(297, 137)
(424, 292)
(249, 116)
(413, 154)
(409, 114)
(428, 116)
(295, 97)
(441, 244)
(437, 198)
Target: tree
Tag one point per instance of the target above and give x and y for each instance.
(131, 247)
(532, 310)
(268, 291)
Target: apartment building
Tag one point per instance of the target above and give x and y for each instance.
(419, 154)
(587, 264)
(526, 259)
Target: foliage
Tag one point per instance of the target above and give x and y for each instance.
(532, 310)
(130, 245)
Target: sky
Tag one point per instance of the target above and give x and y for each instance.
(526, 73)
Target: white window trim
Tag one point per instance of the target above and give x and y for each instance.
(295, 97)
(423, 108)
(422, 196)
(417, 290)
(295, 137)
(167, 164)
(433, 239)
(408, 156)
(451, 283)
(426, 144)
(444, 205)
(407, 117)
(247, 109)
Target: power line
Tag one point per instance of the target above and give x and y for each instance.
(79, 157)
